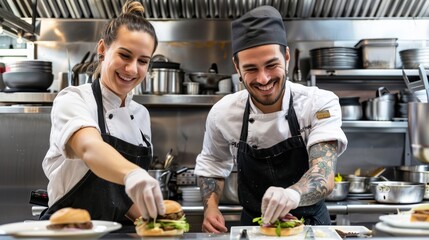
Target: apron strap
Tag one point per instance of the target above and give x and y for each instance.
(245, 126)
(99, 100)
(292, 119)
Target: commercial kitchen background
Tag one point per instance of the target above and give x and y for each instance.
(196, 44)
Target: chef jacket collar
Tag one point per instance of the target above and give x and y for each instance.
(285, 104)
(111, 100)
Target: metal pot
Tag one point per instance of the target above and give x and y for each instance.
(360, 184)
(340, 192)
(418, 114)
(230, 190)
(379, 109)
(351, 109)
(192, 88)
(351, 112)
(397, 192)
(418, 173)
(163, 177)
(164, 80)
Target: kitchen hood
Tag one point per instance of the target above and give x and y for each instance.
(221, 9)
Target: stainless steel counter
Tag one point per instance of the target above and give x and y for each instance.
(334, 208)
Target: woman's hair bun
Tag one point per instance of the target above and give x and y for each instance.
(133, 7)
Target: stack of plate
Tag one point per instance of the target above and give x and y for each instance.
(29, 74)
(191, 194)
(401, 225)
(412, 58)
(31, 66)
(335, 58)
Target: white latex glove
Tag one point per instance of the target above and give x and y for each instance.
(277, 202)
(145, 192)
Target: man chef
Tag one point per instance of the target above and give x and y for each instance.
(284, 137)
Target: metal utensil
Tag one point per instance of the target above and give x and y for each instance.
(424, 78)
(168, 159)
(297, 76)
(243, 234)
(310, 233)
(377, 172)
(408, 84)
(76, 69)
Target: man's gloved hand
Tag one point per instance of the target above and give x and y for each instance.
(145, 192)
(278, 202)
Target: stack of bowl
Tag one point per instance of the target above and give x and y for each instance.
(191, 194)
(412, 58)
(29, 75)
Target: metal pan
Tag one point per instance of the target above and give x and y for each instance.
(397, 192)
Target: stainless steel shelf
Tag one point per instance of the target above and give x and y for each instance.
(27, 97)
(379, 126)
(359, 76)
(177, 100)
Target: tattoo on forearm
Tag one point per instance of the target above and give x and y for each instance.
(313, 185)
(208, 186)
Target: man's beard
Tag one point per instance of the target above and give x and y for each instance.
(277, 98)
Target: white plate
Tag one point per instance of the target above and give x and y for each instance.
(403, 221)
(320, 232)
(384, 227)
(38, 229)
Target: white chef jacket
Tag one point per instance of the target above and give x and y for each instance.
(75, 108)
(224, 122)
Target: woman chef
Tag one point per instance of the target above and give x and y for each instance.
(284, 137)
(100, 138)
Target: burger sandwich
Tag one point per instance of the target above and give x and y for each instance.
(172, 223)
(420, 213)
(285, 226)
(70, 218)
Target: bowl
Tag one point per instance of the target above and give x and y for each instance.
(207, 80)
(28, 80)
(397, 191)
(340, 191)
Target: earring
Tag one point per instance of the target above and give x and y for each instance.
(100, 57)
(240, 79)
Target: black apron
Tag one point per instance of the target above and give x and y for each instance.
(281, 165)
(103, 199)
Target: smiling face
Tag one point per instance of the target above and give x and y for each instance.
(263, 70)
(126, 60)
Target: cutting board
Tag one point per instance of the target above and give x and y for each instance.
(320, 232)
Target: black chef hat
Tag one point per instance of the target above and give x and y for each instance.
(260, 26)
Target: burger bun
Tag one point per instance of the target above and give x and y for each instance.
(271, 231)
(157, 232)
(70, 215)
(420, 213)
(172, 206)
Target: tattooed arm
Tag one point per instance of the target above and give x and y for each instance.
(211, 190)
(318, 181)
